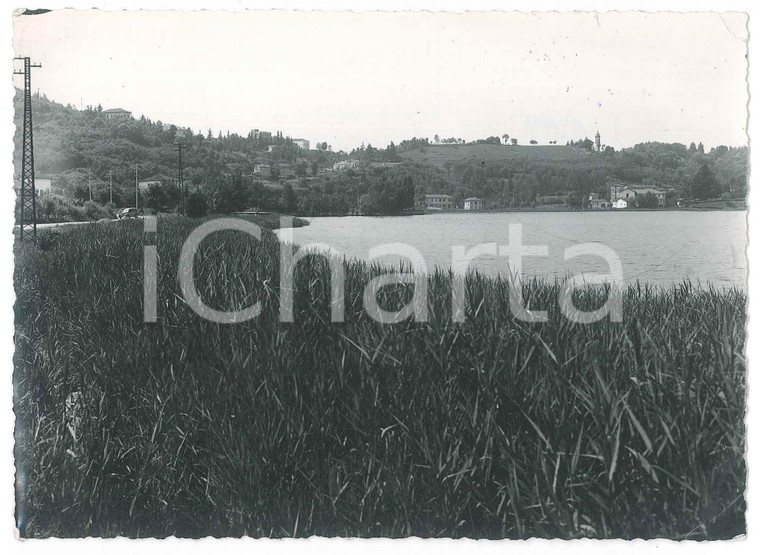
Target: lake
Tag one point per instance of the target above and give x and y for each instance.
(656, 247)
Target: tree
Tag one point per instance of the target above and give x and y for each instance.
(514, 141)
(232, 195)
(157, 198)
(647, 200)
(289, 199)
(533, 142)
(196, 205)
(704, 185)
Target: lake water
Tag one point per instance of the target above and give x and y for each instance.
(658, 247)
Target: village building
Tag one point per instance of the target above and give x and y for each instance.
(439, 201)
(116, 113)
(551, 202)
(263, 171)
(620, 203)
(595, 202)
(157, 180)
(473, 203)
(630, 192)
(42, 184)
(345, 165)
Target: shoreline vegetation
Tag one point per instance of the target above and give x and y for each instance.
(737, 207)
(491, 428)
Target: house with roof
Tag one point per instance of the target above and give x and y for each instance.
(42, 184)
(631, 191)
(345, 165)
(116, 113)
(301, 143)
(263, 171)
(551, 202)
(595, 202)
(159, 180)
(473, 203)
(438, 201)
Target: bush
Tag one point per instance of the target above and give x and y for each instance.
(94, 211)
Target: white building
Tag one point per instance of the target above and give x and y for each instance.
(620, 203)
(630, 192)
(42, 184)
(263, 171)
(144, 184)
(597, 203)
(438, 201)
(473, 203)
(117, 113)
(301, 143)
(345, 165)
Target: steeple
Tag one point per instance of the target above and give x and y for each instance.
(597, 142)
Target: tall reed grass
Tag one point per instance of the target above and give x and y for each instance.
(492, 428)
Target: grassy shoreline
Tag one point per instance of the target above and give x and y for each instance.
(489, 429)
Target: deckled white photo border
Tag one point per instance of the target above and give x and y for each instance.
(379, 546)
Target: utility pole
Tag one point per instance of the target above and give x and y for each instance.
(136, 188)
(28, 204)
(89, 182)
(179, 140)
(110, 185)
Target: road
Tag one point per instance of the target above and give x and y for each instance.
(56, 224)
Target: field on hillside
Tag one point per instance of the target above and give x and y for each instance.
(440, 154)
(490, 428)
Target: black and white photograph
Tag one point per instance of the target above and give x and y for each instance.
(378, 274)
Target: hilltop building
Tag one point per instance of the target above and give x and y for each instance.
(116, 113)
(439, 201)
(301, 143)
(597, 142)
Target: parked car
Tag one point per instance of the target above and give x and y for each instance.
(127, 213)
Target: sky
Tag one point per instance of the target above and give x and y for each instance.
(352, 78)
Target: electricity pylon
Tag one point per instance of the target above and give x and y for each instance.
(28, 204)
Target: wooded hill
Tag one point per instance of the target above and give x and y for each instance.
(69, 143)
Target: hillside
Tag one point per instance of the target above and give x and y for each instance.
(440, 155)
(79, 148)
